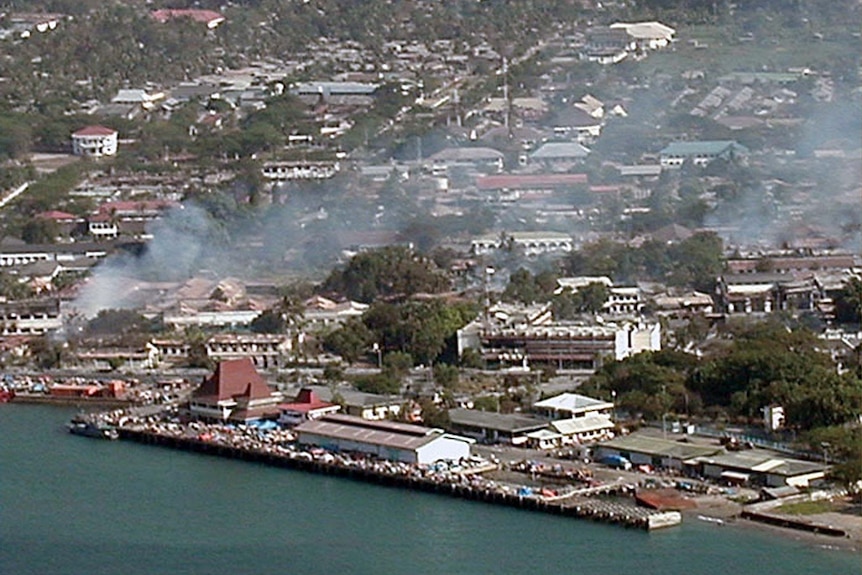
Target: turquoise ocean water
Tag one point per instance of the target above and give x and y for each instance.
(72, 505)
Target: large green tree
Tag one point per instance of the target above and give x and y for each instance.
(389, 271)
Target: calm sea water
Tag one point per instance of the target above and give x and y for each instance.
(72, 505)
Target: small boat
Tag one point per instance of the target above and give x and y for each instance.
(708, 519)
(6, 395)
(95, 429)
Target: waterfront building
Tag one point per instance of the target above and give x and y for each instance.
(306, 407)
(761, 467)
(234, 392)
(492, 427)
(653, 451)
(369, 406)
(385, 439)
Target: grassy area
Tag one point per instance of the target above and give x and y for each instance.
(726, 51)
(806, 508)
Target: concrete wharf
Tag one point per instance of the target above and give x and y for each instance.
(580, 507)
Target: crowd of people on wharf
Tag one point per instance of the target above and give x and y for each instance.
(555, 489)
(78, 389)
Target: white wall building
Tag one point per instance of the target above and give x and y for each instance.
(94, 142)
(385, 439)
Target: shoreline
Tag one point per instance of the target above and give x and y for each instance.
(729, 514)
(726, 513)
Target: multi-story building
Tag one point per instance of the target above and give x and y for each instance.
(30, 317)
(94, 142)
(522, 340)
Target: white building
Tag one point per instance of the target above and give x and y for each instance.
(94, 142)
(621, 300)
(573, 406)
(647, 35)
(530, 243)
(385, 439)
(564, 345)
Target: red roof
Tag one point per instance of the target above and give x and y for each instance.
(306, 401)
(529, 181)
(132, 207)
(604, 189)
(203, 16)
(237, 377)
(56, 215)
(95, 131)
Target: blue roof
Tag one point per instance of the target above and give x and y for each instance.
(707, 147)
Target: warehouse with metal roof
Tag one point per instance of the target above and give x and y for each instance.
(385, 439)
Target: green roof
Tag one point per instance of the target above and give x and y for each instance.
(708, 147)
(652, 446)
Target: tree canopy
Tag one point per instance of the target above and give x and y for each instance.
(389, 271)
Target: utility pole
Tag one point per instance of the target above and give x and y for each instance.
(663, 411)
(506, 92)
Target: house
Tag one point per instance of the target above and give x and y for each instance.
(384, 439)
(321, 312)
(94, 142)
(521, 137)
(307, 406)
(137, 97)
(700, 153)
(572, 406)
(210, 18)
(25, 23)
(300, 170)
(491, 427)
(369, 406)
(683, 306)
(102, 226)
(606, 45)
(478, 158)
(559, 156)
(592, 106)
(647, 35)
(234, 392)
(576, 123)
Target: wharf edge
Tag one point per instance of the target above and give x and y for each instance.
(586, 510)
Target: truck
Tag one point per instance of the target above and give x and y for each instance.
(617, 462)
